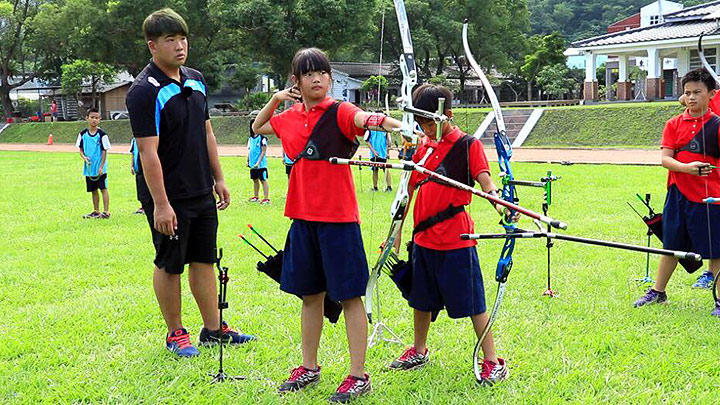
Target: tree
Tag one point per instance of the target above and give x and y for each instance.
(19, 62)
(555, 80)
(547, 51)
(81, 72)
(274, 30)
(375, 86)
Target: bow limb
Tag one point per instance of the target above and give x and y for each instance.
(703, 59)
(708, 199)
(504, 151)
(399, 206)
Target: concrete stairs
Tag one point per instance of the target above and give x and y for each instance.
(518, 124)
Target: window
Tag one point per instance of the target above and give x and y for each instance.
(710, 54)
(654, 19)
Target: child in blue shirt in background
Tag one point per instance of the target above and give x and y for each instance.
(379, 143)
(136, 170)
(257, 162)
(94, 143)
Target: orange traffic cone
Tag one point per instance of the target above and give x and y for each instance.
(50, 139)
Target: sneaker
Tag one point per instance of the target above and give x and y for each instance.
(375, 189)
(716, 311)
(388, 189)
(300, 378)
(211, 338)
(650, 297)
(351, 388)
(253, 199)
(265, 201)
(105, 215)
(140, 211)
(93, 214)
(410, 360)
(493, 373)
(704, 281)
(178, 342)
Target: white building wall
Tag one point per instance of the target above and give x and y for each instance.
(654, 9)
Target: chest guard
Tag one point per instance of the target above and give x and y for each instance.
(707, 146)
(327, 140)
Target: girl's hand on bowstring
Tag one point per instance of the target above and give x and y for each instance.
(699, 168)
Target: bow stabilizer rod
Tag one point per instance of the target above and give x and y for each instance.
(410, 166)
(587, 241)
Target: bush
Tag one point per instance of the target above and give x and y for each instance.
(253, 101)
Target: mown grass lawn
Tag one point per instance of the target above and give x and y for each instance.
(79, 321)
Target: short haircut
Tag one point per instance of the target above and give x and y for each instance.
(310, 60)
(700, 75)
(92, 110)
(164, 22)
(426, 97)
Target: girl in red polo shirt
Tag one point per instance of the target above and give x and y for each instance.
(446, 271)
(324, 252)
(691, 153)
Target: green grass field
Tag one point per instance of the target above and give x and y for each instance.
(79, 321)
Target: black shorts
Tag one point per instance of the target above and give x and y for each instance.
(288, 169)
(379, 160)
(195, 237)
(259, 174)
(98, 184)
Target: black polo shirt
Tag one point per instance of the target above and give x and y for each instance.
(176, 113)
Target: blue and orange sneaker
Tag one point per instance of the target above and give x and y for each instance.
(178, 342)
(704, 281)
(211, 338)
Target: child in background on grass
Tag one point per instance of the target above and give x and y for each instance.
(446, 270)
(690, 153)
(379, 144)
(288, 164)
(324, 251)
(94, 143)
(136, 171)
(257, 162)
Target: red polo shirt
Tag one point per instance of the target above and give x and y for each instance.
(678, 132)
(715, 104)
(317, 191)
(434, 197)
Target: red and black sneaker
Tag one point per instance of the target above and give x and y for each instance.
(410, 360)
(300, 378)
(493, 373)
(351, 388)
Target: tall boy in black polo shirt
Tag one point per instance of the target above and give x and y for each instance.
(168, 111)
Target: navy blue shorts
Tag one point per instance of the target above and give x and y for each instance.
(685, 225)
(324, 256)
(449, 279)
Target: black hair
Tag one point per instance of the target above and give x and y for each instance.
(164, 22)
(700, 75)
(92, 110)
(426, 97)
(310, 60)
(252, 133)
